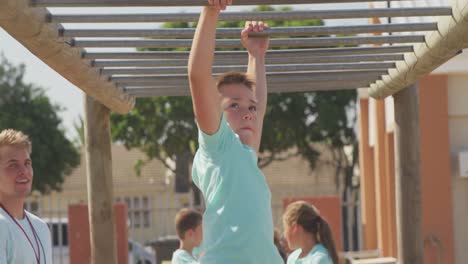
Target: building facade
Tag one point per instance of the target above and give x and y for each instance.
(443, 117)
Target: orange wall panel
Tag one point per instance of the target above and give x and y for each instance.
(381, 182)
(436, 178)
(79, 236)
(367, 179)
(390, 163)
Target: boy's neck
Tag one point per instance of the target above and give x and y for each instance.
(14, 206)
(186, 246)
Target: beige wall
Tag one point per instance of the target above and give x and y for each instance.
(458, 129)
(294, 178)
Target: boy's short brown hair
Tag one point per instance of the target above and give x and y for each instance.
(185, 220)
(235, 78)
(15, 138)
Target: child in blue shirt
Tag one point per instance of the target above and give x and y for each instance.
(189, 229)
(309, 235)
(237, 223)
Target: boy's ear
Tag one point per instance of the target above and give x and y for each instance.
(189, 233)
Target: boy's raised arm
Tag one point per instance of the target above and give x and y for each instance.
(257, 48)
(205, 96)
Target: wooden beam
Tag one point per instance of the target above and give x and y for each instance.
(243, 68)
(235, 43)
(242, 61)
(290, 53)
(408, 178)
(439, 47)
(243, 16)
(161, 91)
(29, 27)
(162, 33)
(115, 3)
(99, 175)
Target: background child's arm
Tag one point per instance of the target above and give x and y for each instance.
(257, 48)
(205, 97)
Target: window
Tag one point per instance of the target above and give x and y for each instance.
(137, 219)
(146, 213)
(58, 230)
(139, 211)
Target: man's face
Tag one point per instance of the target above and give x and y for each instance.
(16, 173)
(240, 109)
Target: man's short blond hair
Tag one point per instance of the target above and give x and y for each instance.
(15, 138)
(235, 78)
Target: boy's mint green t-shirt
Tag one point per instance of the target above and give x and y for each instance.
(318, 255)
(237, 223)
(181, 256)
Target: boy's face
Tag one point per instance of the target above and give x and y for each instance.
(240, 109)
(16, 173)
(194, 236)
(198, 235)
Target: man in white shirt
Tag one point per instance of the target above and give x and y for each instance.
(24, 238)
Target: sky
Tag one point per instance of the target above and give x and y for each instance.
(62, 92)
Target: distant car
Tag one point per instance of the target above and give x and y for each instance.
(137, 254)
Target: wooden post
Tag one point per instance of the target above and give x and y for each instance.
(99, 175)
(408, 178)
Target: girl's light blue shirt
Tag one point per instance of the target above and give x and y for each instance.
(318, 255)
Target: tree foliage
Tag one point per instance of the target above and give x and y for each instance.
(25, 107)
(164, 127)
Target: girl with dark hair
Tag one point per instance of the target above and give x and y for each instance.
(309, 235)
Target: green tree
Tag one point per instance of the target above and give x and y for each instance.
(164, 127)
(25, 107)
